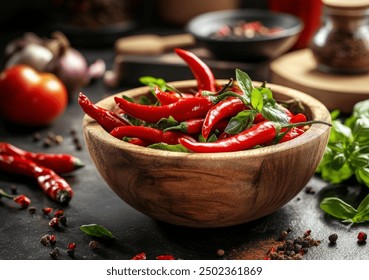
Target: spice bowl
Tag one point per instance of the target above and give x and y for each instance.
(213, 189)
(248, 44)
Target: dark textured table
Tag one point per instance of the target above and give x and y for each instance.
(94, 202)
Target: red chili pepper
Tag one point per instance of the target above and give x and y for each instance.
(60, 163)
(182, 110)
(165, 97)
(52, 184)
(22, 200)
(107, 119)
(226, 108)
(256, 135)
(138, 142)
(193, 126)
(298, 118)
(202, 72)
(147, 134)
(165, 257)
(140, 256)
(291, 134)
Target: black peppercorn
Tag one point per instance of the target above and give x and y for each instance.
(333, 238)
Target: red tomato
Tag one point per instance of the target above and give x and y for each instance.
(30, 98)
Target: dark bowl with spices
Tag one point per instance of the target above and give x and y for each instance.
(246, 35)
(207, 190)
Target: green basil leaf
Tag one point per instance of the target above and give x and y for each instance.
(358, 161)
(266, 93)
(96, 231)
(151, 82)
(335, 114)
(360, 130)
(338, 161)
(337, 208)
(362, 175)
(364, 205)
(361, 109)
(166, 123)
(244, 82)
(340, 132)
(240, 122)
(167, 147)
(257, 99)
(273, 112)
(336, 176)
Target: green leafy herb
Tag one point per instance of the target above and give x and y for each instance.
(240, 122)
(347, 156)
(167, 147)
(96, 231)
(152, 82)
(344, 211)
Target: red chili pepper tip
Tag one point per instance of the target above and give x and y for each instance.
(22, 200)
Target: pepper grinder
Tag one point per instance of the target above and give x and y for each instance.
(341, 44)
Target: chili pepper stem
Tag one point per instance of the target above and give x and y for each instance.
(290, 125)
(6, 195)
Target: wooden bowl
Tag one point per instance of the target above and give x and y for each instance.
(209, 190)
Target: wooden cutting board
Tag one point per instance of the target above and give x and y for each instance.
(298, 70)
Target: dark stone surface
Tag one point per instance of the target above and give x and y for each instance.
(94, 202)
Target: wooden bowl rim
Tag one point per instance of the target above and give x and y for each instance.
(316, 131)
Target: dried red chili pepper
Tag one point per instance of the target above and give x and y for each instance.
(147, 134)
(60, 163)
(202, 73)
(182, 110)
(107, 119)
(52, 184)
(226, 108)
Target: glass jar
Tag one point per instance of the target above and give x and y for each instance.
(341, 45)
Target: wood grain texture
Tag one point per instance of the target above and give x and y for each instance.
(208, 190)
(298, 70)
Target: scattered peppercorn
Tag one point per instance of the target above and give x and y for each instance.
(292, 249)
(220, 252)
(52, 239)
(47, 210)
(309, 190)
(333, 238)
(63, 220)
(45, 239)
(93, 244)
(58, 213)
(32, 210)
(13, 189)
(54, 222)
(36, 137)
(55, 253)
(361, 237)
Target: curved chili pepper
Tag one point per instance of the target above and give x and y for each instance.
(299, 117)
(147, 134)
(182, 110)
(107, 119)
(138, 142)
(165, 97)
(60, 163)
(221, 110)
(256, 135)
(202, 72)
(291, 134)
(52, 184)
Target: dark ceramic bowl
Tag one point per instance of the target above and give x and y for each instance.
(257, 48)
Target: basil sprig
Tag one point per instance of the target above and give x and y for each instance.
(347, 156)
(96, 231)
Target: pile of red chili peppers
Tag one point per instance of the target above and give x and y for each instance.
(214, 118)
(43, 168)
